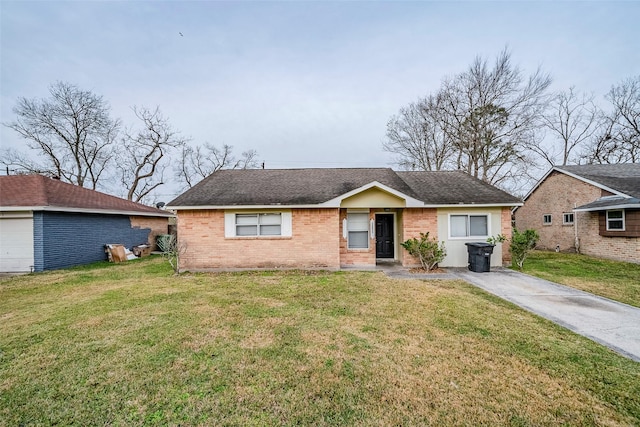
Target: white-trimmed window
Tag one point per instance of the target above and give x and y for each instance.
(615, 220)
(358, 230)
(469, 226)
(546, 219)
(263, 224)
(567, 218)
(257, 224)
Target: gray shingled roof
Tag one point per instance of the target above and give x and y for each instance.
(622, 177)
(610, 203)
(454, 187)
(315, 186)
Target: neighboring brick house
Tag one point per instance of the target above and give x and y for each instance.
(47, 224)
(332, 218)
(591, 209)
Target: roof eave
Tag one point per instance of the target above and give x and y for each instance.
(231, 207)
(608, 208)
(540, 181)
(337, 201)
(85, 210)
(594, 183)
(473, 205)
(21, 208)
(326, 206)
(573, 175)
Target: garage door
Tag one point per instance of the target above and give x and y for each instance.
(16, 244)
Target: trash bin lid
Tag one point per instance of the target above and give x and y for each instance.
(479, 244)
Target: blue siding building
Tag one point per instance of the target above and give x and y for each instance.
(46, 224)
(76, 239)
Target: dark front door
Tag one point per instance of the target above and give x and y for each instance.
(384, 236)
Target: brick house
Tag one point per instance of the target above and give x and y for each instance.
(333, 218)
(591, 209)
(47, 224)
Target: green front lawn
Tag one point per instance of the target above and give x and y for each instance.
(619, 281)
(134, 345)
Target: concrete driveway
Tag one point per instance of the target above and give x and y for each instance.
(607, 322)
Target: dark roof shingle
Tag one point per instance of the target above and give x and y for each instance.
(32, 191)
(622, 177)
(315, 186)
(605, 203)
(454, 187)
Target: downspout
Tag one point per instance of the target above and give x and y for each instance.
(575, 230)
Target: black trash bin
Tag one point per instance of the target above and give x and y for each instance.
(479, 256)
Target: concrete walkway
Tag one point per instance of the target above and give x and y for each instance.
(610, 323)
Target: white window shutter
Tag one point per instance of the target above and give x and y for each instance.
(287, 227)
(229, 224)
(344, 229)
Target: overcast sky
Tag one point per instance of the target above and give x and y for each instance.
(306, 84)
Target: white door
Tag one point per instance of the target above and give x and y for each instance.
(16, 244)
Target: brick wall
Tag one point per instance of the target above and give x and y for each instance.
(317, 240)
(507, 230)
(558, 194)
(155, 225)
(616, 248)
(314, 242)
(414, 222)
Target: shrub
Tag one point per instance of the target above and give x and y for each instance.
(520, 246)
(172, 250)
(428, 251)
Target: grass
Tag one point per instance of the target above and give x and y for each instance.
(619, 281)
(134, 345)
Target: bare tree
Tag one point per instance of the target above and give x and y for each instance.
(71, 132)
(573, 121)
(416, 136)
(20, 163)
(604, 149)
(142, 158)
(480, 121)
(626, 102)
(492, 114)
(197, 163)
(619, 139)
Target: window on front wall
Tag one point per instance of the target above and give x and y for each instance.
(567, 218)
(546, 219)
(469, 225)
(258, 224)
(615, 220)
(274, 224)
(358, 230)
